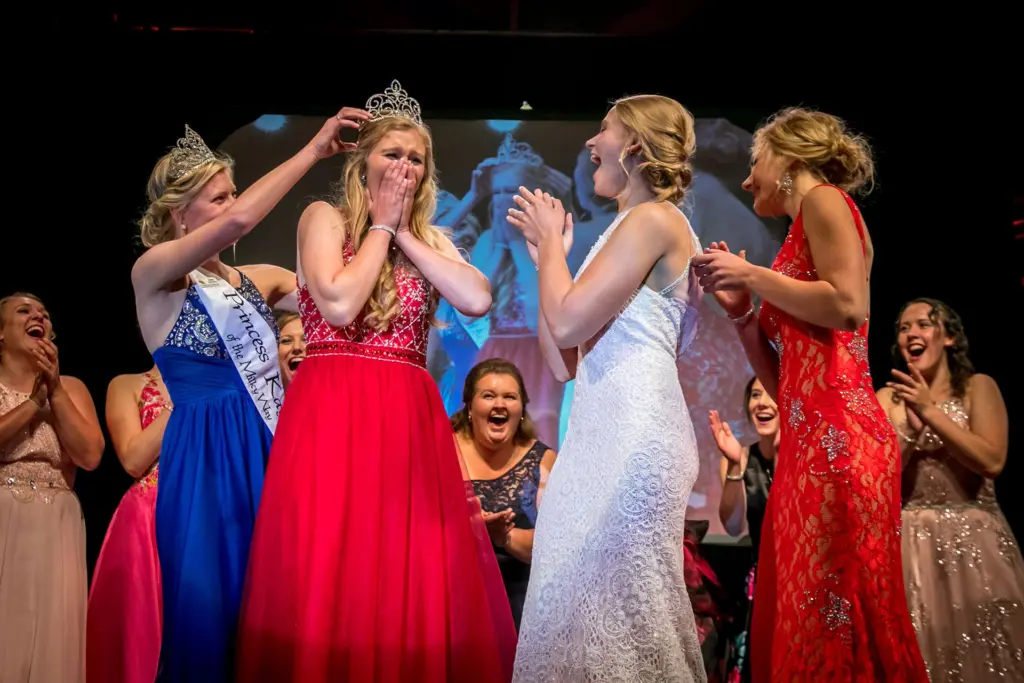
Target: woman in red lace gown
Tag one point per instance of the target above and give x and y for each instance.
(830, 598)
(370, 561)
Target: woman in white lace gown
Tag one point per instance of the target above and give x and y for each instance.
(606, 600)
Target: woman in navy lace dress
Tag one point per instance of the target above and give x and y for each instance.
(507, 464)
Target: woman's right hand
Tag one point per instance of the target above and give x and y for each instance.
(388, 204)
(499, 526)
(724, 439)
(328, 141)
(40, 391)
(736, 302)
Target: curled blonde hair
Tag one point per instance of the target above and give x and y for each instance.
(383, 302)
(822, 144)
(664, 130)
(156, 225)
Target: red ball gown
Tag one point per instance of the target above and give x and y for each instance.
(830, 600)
(370, 562)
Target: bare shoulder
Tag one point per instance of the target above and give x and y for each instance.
(982, 386)
(76, 388)
(826, 204)
(322, 213)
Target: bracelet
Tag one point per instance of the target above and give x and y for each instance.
(386, 228)
(735, 477)
(743, 318)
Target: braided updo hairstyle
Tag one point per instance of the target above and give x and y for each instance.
(664, 130)
(822, 143)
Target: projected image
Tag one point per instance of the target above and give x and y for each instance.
(481, 165)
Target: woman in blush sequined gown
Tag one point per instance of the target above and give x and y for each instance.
(370, 560)
(830, 600)
(607, 600)
(124, 620)
(212, 335)
(48, 429)
(961, 563)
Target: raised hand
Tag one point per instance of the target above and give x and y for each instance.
(49, 366)
(387, 204)
(567, 236)
(913, 390)
(328, 141)
(724, 438)
(540, 216)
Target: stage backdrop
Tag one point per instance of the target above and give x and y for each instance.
(480, 165)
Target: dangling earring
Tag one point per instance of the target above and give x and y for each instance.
(786, 184)
(362, 179)
(184, 229)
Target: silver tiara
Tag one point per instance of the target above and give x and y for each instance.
(394, 102)
(189, 154)
(513, 152)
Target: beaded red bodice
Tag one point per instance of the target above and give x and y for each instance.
(404, 340)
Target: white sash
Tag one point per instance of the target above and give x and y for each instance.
(250, 342)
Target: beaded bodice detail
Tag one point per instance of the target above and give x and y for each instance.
(33, 466)
(934, 478)
(152, 403)
(194, 331)
(404, 340)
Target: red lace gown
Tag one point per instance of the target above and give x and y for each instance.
(370, 562)
(830, 601)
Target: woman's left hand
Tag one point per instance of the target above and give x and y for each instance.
(540, 216)
(49, 366)
(720, 270)
(912, 388)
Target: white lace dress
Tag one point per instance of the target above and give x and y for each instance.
(606, 600)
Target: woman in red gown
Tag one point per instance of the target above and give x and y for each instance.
(830, 599)
(370, 562)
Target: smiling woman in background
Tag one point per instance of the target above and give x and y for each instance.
(291, 345)
(746, 473)
(962, 566)
(48, 429)
(507, 464)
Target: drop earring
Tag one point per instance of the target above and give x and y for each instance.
(184, 229)
(786, 184)
(362, 179)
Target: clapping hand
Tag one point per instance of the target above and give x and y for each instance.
(912, 389)
(539, 216)
(499, 526)
(724, 438)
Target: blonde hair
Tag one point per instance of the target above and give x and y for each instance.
(383, 302)
(664, 131)
(821, 143)
(156, 225)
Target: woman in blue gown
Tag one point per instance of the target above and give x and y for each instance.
(213, 337)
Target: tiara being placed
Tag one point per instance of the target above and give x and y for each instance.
(513, 152)
(189, 154)
(394, 102)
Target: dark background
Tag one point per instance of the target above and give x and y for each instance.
(94, 97)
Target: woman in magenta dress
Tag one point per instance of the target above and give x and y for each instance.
(124, 620)
(370, 562)
(830, 599)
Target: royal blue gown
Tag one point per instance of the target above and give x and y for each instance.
(212, 463)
